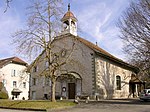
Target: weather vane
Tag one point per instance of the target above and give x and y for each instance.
(69, 1)
(69, 7)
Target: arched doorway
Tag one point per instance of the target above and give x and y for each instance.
(71, 85)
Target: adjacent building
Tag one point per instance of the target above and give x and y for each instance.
(89, 71)
(14, 78)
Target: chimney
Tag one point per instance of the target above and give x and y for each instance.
(96, 44)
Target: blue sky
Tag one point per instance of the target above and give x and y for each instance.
(96, 18)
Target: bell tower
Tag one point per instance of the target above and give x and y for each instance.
(69, 23)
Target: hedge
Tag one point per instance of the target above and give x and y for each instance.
(3, 95)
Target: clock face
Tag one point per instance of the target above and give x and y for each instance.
(63, 52)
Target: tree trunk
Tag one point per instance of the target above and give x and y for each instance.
(53, 89)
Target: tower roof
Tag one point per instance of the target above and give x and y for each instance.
(68, 15)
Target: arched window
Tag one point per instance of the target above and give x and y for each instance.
(118, 82)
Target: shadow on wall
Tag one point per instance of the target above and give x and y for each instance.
(107, 80)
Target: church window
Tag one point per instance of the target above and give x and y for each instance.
(118, 82)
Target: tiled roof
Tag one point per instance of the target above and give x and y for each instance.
(105, 54)
(17, 60)
(95, 47)
(68, 15)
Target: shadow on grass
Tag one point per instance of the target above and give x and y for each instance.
(15, 103)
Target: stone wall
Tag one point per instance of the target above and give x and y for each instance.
(106, 72)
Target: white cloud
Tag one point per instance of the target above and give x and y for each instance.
(98, 19)
(112, 43)
(93, 18)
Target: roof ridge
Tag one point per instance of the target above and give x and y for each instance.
(12, 59)
(103, 52)
(95, 46)
(7, 58)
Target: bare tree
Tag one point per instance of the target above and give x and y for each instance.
(42, 25)
(135, 33)
(7, 4)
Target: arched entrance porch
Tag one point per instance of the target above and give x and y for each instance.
(71, 85)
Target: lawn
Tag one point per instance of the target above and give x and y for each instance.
(35, 104)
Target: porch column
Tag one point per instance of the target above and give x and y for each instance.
(136, 90)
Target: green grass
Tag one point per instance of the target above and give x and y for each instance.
(35, 104)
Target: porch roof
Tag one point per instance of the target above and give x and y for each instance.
(136, 80)
(16, 90)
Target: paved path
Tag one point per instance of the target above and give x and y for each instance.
(110, 106)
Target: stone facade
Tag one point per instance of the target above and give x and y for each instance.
(92, 74)
(106, 82)
(77, 65)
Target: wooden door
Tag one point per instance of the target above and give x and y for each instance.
(71, 90)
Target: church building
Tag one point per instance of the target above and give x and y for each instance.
(89, 70)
